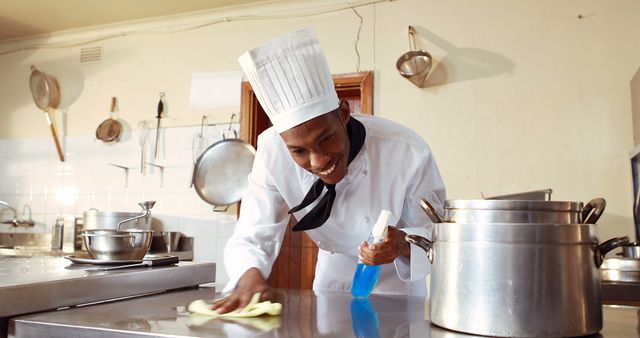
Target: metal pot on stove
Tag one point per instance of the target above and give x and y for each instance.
(120, 244)
(630, 250)
(96, 219)
(516, 279)
(517, 211)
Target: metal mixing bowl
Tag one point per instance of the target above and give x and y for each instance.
(110, 244)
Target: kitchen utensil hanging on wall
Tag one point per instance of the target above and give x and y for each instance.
(159, 117)
(220, 173)
(46, 95)
(415, 64)
(143, 135)
(110, 129)
(198, 145)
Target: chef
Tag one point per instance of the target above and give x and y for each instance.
(334, 172)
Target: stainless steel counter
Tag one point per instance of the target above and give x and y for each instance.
(43, 283)
(305, 314)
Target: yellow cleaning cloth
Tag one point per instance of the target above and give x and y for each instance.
(253, 309)
(201, 313)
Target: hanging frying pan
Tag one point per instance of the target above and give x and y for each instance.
(46, 95)
(220, 173)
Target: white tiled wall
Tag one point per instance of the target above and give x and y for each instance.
(31, 176)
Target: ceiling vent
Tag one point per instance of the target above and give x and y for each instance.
(90, 55)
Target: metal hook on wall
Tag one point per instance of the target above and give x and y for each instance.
(126, 173)
(235, 133)
(161, 172)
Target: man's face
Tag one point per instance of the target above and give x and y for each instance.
(321, 145)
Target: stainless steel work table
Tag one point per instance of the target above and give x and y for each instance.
(305, 314)
(41, 283)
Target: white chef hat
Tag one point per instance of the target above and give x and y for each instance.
(291, 79)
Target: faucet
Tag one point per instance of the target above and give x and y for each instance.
(15, 221)
(146, 211)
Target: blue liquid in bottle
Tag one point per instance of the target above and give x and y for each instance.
(364, 279)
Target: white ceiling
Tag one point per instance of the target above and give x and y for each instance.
(23, 18)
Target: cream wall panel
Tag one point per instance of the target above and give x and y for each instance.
(533, 96)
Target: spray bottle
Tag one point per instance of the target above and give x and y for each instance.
(366, 276)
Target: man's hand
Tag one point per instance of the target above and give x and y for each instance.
(386, 251)
(250, 283)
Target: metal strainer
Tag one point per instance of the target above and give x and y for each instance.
(415, 64)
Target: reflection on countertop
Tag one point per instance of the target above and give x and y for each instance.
(41, 283)
(305, 314)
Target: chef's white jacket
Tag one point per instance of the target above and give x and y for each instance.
(392, 171)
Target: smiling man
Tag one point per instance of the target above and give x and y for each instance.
(334, 171)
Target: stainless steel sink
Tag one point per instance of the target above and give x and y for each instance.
(22, 244)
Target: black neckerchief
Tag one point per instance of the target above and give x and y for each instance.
(320, 213)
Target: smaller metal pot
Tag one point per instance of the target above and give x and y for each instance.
(630, 250)
(621, 270)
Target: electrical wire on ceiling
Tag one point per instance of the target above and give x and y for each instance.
(358, 38)
(307, 12)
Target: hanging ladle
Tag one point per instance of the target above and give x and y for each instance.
(415, 64)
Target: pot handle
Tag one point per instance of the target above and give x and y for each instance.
(422, 243)
(593, 210)
(430, 211)
(602, 249)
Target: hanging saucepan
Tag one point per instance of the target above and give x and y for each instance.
(415, 64)
(220, 173)
(46, 95)
(110, 129)
(517, 211)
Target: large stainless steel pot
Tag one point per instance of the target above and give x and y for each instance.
(516, 279)
(517, 211)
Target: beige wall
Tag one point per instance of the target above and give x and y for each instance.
(635, 106)
(524, 95)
